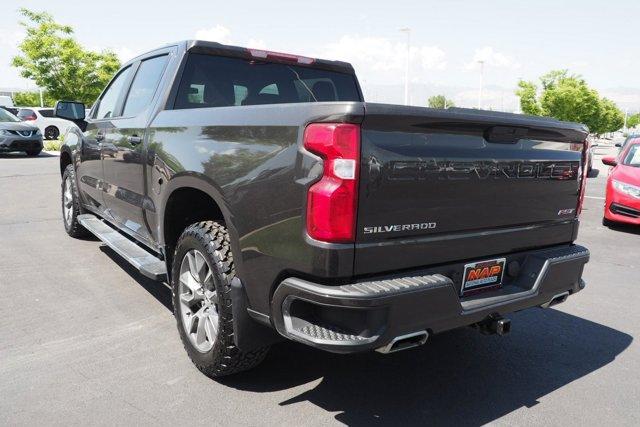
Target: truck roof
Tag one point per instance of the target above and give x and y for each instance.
(215, 48)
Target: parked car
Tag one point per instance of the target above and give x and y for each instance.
(630, 137)
(622, 202)
(51, 127)
(6, 101)
(279, 205)
(18, 136)
(12, 110)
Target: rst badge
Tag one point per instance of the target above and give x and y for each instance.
(482, 275)
(565, 212)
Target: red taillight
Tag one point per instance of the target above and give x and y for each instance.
(265, 54)
(583, 178)
(30, 118)
(332, 201)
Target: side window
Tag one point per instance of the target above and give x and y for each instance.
(196, 94)
(144, 85)
(26, 114)
(271, 89)
(107, 106)
(46, 113)
(240, 93)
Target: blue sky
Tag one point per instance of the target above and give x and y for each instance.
(516, 39)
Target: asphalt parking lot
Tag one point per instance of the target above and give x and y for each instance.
(85, 339)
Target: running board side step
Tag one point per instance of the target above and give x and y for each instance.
(149, 265)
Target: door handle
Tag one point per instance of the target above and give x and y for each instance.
(134, 140)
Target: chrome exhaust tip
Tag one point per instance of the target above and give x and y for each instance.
(557, 299)
(405, 342)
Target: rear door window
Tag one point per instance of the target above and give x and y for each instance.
(218, 81)
(144, 85)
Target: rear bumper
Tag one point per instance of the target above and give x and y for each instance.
(369, 314)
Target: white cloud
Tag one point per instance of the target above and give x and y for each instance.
(492, 58)
(222, 34)
(124, 53)
(256, 44)
(379, 53)
(219, 33)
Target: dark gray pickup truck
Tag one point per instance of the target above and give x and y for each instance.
(278, 204)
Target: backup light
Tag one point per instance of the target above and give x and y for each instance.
(332, 201)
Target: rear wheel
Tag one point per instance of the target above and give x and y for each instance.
(51, 132)
(202, 272)
(71, 206)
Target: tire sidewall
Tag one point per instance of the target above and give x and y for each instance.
(69, 175)
(54, 129)
(203, 243)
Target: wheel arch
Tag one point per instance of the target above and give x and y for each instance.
(65, 159)
(187, 199)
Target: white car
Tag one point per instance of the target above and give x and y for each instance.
(51, 127)
(6, 101)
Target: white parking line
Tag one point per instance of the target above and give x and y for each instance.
(594, 197)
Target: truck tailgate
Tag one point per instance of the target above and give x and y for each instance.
(444, 185)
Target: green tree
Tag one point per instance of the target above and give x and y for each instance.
(633, 120)
(55, 61)
(611, 118)
(440, 101)
(32, 99)
(568, 97)
(528, 102)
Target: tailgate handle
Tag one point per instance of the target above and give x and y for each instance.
(505, 134)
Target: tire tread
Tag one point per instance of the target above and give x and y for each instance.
(227, 358)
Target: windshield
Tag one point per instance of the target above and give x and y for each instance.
(632, 158)
(6, 116)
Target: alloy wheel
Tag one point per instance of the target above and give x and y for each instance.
(67, 201)
(198, 301)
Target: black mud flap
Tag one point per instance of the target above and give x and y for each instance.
(248, 334)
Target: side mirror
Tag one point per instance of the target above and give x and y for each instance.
(609, 161)
(617, 144)
(69, 110)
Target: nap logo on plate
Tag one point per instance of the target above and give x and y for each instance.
(482, 275)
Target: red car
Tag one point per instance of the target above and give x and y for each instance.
(622, 204)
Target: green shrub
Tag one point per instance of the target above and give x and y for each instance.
(53, 145)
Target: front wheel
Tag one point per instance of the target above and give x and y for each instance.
(71, 206)
(202, 273)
